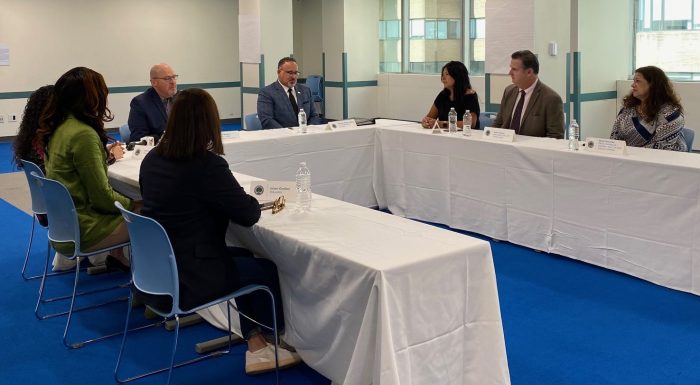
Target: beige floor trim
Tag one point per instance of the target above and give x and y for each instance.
(14, 189)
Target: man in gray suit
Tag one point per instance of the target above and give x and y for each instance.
(279, 103)
(528, 106)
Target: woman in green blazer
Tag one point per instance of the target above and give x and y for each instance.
(72, 130)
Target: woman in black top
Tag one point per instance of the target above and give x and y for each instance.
(188, 188)
(458, 93)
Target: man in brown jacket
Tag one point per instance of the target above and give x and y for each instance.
(528, 106)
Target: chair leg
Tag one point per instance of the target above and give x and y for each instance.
(72, 309)
(42, 287)
(121, 348)
(29, 250)
(172, 355)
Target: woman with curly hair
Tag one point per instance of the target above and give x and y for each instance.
(26, 145)
(652, 115)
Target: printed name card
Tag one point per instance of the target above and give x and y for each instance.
(230, 135)
(268, 190)
(349, 123)
(605, 146)
(499, 134)
(140, 151)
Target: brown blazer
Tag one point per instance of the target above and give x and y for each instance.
(544, 115)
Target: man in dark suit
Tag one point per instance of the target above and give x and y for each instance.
(528, 106)
(149, 110)
(279, 102)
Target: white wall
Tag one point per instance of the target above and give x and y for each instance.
(308, 41)
(121, 40)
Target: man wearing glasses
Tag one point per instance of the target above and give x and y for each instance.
(279, 103)
(149, 110)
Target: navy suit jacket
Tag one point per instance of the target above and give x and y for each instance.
(147, 115)
(275, 110)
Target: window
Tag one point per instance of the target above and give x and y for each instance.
(389, 36)
(437, 31)
(668, 36)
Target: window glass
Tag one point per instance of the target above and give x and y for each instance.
(668, 37)
(437, 31)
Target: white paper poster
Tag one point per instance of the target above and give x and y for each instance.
(249, 38)
(510, 28)
(4, 55)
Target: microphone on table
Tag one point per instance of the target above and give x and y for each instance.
(130, 146)
(145, 141)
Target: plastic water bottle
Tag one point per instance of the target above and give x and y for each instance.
(467, 123)
(303, 187)
(301, 118)
(574, 132)
(452, 121)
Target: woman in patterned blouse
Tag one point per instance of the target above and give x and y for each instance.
(652, 115)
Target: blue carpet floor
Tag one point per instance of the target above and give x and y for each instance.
(565, 323)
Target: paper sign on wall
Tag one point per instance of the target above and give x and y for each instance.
(268, 190)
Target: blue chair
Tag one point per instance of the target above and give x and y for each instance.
(688, 135)
(252, 123)
(486, 119)
(315, 84)
(64, 227)
(154, 272)
(38, 208)
(125, 133)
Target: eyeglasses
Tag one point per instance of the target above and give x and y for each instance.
(168, 78)
(292, 73)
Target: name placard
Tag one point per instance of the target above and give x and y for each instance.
(349, 123)
(230, 135)
(268, 190)
(605, 146)
(499, 134)
(140, 151)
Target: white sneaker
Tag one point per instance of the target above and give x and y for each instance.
(263, 360)
(61, 263)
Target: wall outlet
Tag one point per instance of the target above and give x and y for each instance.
(12, 117)
(2, 118)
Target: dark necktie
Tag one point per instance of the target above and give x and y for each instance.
(293, 101)
(517, 113)
(167, 104)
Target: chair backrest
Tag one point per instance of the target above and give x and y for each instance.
(38, 204)
(125, 133)
(688, 136)
(486, 119)
(315, 84)
(252, 122)
(153, 266)
(63, 218)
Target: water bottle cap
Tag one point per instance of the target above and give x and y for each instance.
(452, 108)
(302, 164)
(301, 110)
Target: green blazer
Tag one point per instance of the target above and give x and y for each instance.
(77, 158)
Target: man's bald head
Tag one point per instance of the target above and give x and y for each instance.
(164, 80)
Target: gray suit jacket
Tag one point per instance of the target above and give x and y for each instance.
(544, 115)
(275, 110)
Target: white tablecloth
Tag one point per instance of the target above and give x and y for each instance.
(374, 298)
(341, 161)
(638, 213)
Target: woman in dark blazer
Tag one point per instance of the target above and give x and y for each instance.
(188, 188)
